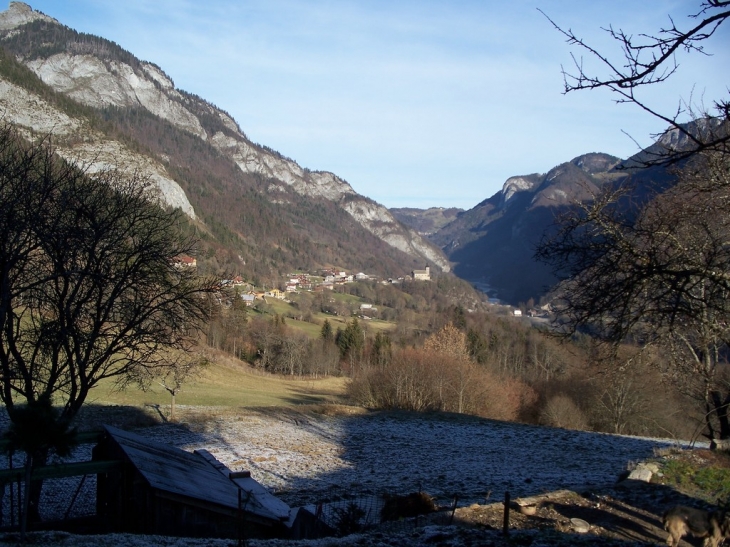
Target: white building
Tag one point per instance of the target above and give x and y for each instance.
(422, 275)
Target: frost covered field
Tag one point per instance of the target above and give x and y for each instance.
(306, 458)
(310, 458)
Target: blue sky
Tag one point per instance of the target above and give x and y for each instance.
(416, 103)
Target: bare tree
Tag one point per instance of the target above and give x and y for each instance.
(657, 275)
(561, 411)
(180, 367)
(88, 287)
(648, 59)
(265, 335)
(455, 372)
(292, 349)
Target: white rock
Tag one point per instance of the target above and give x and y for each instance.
(642, 472)
(18, 14)
(514, 185)
(93, 82)
(37, 117)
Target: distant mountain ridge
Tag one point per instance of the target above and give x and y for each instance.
(115, 86)
(426, 221)
(493, 243)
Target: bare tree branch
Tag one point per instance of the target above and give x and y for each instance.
(651, 59)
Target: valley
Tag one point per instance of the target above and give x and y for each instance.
(162, 272)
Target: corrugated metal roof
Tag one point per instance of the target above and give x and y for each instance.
(256, 498)
(196, 475)
(173, 470)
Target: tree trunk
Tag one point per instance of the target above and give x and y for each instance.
(26, 497)
(721, 409)
(36, 487)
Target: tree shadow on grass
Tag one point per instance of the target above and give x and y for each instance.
(309, 397)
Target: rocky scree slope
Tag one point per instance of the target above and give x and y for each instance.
(99, 74)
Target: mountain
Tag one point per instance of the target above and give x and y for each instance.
(257, 209)
(426, 221)
(493, 244)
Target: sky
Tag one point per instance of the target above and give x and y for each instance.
(415, 103)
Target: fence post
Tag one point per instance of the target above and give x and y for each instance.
(505, 523)
(453, 508)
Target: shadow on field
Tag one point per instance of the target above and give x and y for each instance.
(303, 396)
(632, 510)
(454, 456)
(93, 416)
(316, 453)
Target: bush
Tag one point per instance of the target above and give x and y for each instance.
(561, 411)
(420, 381)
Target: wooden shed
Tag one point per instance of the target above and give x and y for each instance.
(161, 489)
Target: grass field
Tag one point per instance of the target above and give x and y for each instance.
(313, 329)
(227, 382)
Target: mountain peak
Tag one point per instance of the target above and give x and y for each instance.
(595, 162)
(513, 185)
(19, 13)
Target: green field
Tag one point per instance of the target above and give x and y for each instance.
(313, 329)
(230, 383)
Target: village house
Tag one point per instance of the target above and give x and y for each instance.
(184, 261)
(156, 488)
(276, 293)
(161, 489)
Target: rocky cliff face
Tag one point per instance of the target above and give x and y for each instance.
(94, 152)
(98, 74)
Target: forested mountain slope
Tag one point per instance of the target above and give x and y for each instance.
(259, 211)
(493, 243)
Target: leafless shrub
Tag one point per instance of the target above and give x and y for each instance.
(561, 411)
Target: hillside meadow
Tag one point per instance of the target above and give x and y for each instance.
(229, 382)
(312, 329)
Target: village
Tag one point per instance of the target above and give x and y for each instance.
(330, 279)
(326, 279)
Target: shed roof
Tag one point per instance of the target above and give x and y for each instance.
(171, 469)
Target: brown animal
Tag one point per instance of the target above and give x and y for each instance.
(714, 526)
(410, 505)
